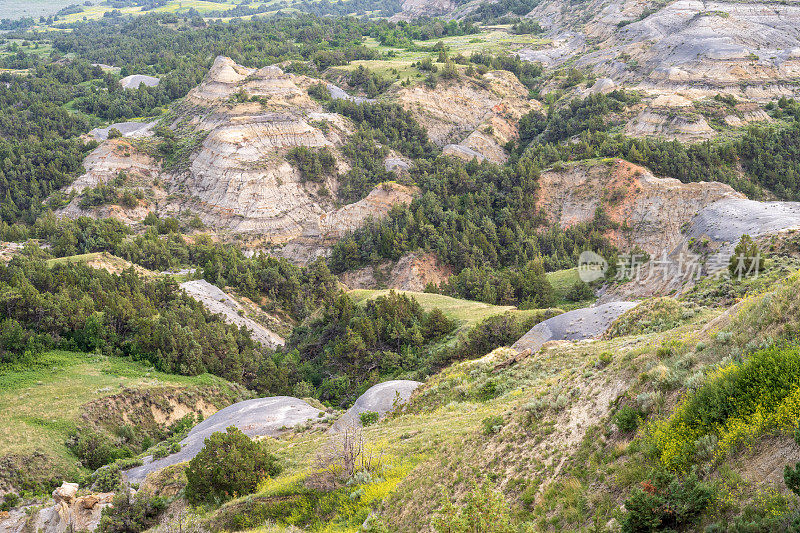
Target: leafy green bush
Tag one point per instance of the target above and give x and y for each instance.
(230, 464)
(666, 503)
(131, 514)
(791, 474)
(485, 511)
(746, 259)
(348, 343)
(604, 359)
(738, 403)
(487, 390)
(492, 424)
(627, 419)
(314, 165)
(579, 291)
(319, 91)
(10, 500)
(130, 462)
(495, 331)
(368, 418)
(96, 449)
(107, 479)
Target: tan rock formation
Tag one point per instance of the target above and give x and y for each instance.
(105, 163)
(68, 512)
(113, 156)
(479, 116)
(238, 181)
(322, 231)
(655, 209)
(424, 8)
(412, 272)
(65, 493)
(664, 123)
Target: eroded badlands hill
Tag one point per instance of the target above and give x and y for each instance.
(650, 212)
(235, 130)
(471, 118)
(749, 48)
(228, 160)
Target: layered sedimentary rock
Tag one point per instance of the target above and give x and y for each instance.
(653, 209)
(237, 178)
(471, 118)
(748, 49)
(412, 272)
(112, 159)
(412, 9)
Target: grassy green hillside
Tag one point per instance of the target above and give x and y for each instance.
(465, 312)
(41, 407)
(700, 415)
(562, 281)
(103, 260)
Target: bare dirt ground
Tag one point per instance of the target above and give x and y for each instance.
(217, 301)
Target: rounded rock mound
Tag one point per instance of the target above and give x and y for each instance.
(381, 398)
(576, 325)
(258, 417)
(134, 80)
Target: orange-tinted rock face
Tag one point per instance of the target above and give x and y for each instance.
(650, 210)
(412, 272)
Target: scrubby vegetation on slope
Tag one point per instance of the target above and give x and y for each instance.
(45, 402)
(481, 219)
(768, 153)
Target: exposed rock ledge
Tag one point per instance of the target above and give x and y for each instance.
(217, 301)
(239, 181)
(69, 512)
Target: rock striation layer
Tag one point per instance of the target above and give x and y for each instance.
(471, 118)
(237, 179)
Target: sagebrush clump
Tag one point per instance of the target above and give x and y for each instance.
(230, 465)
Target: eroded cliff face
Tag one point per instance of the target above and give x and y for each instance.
(424, 8)
(751, 49)
(412, 272)
(652, 212)
(471, 118)
(664, 217)
(107, 162)
(237, 179)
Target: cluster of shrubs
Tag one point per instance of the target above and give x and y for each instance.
(96, 448)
